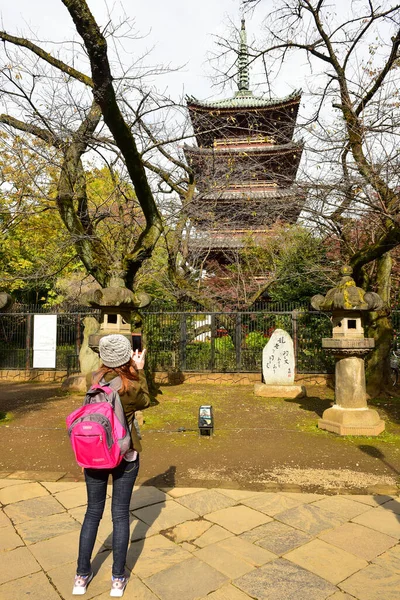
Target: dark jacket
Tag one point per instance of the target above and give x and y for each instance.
(135, 398)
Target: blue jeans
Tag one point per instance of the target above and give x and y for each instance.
(124, 477)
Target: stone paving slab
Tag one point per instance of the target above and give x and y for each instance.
(135, 590)
(72, 498)
(359, 540)
(37, 475)
(9, 539)
(381, 520)
(238, 519)
(188, 531)
(4, 520)
(62, 578)
(343, 508)
(37, 530)
(179, 492)
(17, 563)
(26, 510)
(310, 519)
(5, 482)
(145, 496)
(375, 500)
(59, 550)
(227, 592)
(34, 587)
(276, 537)
(157, 554)
(272, 504)
(213, 535)
(327, 561)
(281, 580)
(206, 501)
(393, 505)
(239, 494)
(21, 491)
(261, 546)
(223, 561)
(245, 550)
(164, 515)
(305, 497)
(189, 580)
(373, 583)
(61, 486)
(390, 559)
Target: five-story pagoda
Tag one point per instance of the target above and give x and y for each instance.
(245, 165)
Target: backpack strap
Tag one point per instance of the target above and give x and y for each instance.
(114, 384)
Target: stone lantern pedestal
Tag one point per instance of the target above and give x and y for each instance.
(350, 414)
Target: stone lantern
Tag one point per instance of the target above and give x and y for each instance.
(350, 414)
(116, 304)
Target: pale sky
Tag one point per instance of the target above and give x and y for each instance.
(182, 32)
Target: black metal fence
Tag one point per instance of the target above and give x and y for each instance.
(186, 341)
(232, 342)
(16, 340)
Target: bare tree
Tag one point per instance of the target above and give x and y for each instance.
(352, 165)
(72, 113)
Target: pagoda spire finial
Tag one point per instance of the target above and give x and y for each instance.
(243, 61)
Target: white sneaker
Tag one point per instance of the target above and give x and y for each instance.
(118, 585)
(80, 584)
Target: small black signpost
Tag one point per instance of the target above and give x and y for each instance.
(206, 420)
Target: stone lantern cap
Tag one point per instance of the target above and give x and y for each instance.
(346, 296)
(117, 297)
(6, 302)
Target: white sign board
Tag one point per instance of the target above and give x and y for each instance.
(44, 341)
(278, 359)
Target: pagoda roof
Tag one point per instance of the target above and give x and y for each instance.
(215, 239)
(256, 149)
(248, 191)
(243, 99)
(217, 167)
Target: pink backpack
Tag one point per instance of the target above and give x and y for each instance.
(98, 430)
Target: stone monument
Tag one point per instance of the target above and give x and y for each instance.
(278, 367)
(350, 414)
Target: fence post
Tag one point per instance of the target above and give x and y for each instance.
(28, 341)
(182, 343)
(238, 341)
(213, 335)
(294, 336)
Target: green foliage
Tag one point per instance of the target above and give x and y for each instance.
(34, 247)
(224, 344)
(293, 259)
(256, 340)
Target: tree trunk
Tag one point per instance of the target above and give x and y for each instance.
(379, 327)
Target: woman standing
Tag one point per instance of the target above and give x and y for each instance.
(118, 361)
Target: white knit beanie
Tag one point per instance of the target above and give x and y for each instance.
(115, 350)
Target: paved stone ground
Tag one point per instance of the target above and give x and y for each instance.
(194, 543)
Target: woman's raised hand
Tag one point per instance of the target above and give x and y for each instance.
(139, 359)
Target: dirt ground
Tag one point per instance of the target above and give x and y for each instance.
(258, 443)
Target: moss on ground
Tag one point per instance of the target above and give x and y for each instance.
(5, 417)
(236, 407)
